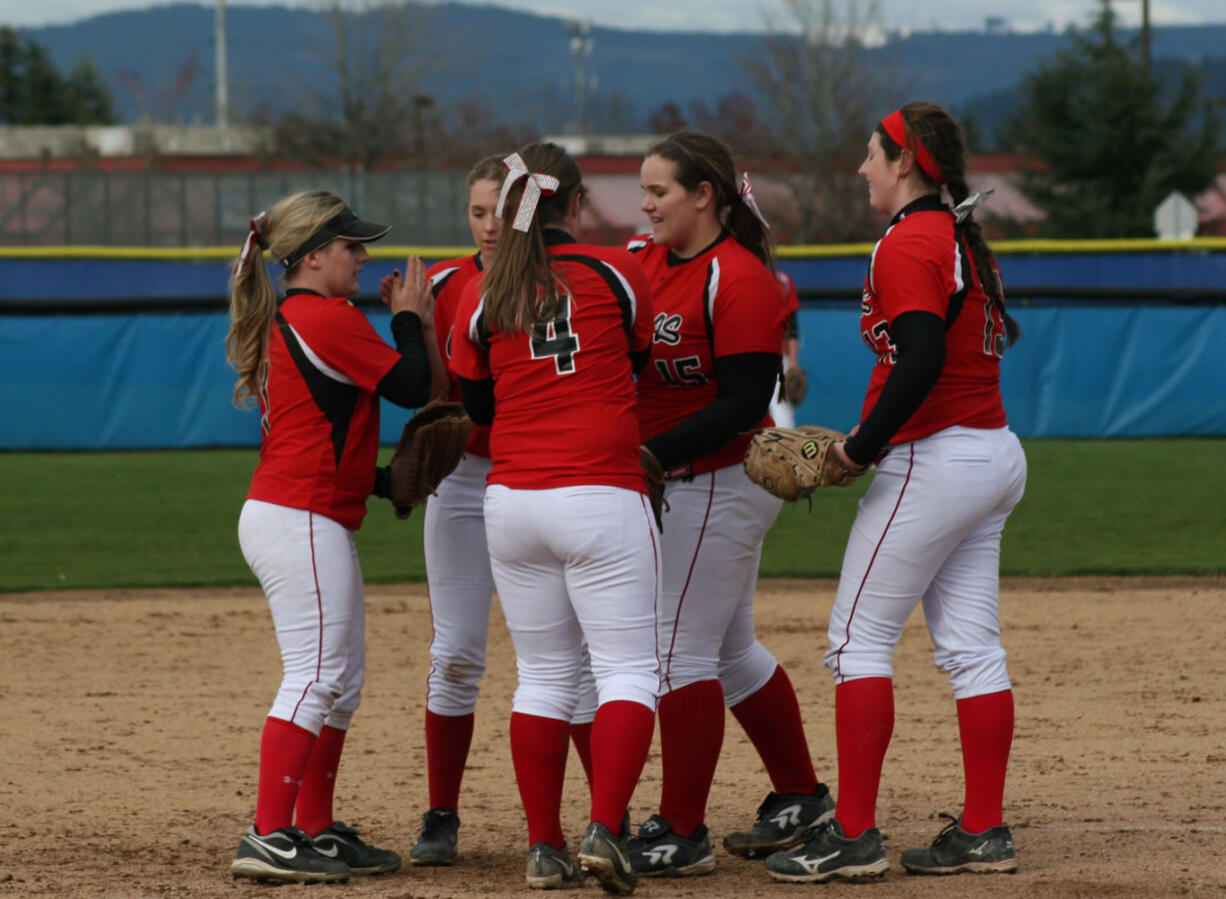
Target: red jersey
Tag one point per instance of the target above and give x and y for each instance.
(722, 302)
(791, 299)
(447, 280)
(922, 265)
(564, 392)
(319, 409)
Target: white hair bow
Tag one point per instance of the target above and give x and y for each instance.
(750, 201)
(967, 206)
(534, 188)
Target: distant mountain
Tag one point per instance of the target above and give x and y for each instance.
(159, 63)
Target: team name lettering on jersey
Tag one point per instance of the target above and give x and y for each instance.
(668, 329)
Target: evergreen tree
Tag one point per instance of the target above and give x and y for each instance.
(34, 92)
(87, 100)
(1105, 142)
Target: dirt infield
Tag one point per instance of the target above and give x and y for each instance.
(131, 728)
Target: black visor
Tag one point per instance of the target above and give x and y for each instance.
(344, 225)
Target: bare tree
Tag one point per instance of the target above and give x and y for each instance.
(372, 102)
(822, 96)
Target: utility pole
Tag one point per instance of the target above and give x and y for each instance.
(581, 47)
(223, 75)
(1145, 35)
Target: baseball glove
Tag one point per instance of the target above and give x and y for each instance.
(653, 473)
(795, 385)
(429, 449)
(791, 463)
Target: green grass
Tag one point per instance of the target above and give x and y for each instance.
(145, 519)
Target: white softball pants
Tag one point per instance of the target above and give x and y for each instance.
(576, 563)
(461, 588)
(461, 591)
(713, 532)
(308, 567)
(928, 530)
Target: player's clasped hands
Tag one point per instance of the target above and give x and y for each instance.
(410, 292)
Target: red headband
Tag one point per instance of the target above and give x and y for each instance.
(896, 128)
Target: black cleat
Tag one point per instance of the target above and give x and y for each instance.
(658, 852)
(784, 820)
(603, 856)
(955, 851)
(342, 841)
(436, 844)
(286, 855)
(829, 855)
(551, 869)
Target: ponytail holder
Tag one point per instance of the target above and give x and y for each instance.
(534, 188)
(896, 127)
(749, 200)
(254, 238)
(967, 206)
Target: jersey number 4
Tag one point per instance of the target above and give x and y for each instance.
(555, 339)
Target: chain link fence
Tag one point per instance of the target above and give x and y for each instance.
(198, 209)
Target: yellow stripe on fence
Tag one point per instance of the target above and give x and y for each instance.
(795, 251)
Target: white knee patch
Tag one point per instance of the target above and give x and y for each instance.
(551, 701)
(746, 673)
(452, 685)
(974, 671)
(630, 686)
(848, 665)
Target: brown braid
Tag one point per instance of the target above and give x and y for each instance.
(942, 137)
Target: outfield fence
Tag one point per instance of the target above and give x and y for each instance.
(121, 348)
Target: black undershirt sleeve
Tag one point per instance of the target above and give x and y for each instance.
(920, 341)
(746, 382)
(478, 399)
(638, 358)
(407, 384)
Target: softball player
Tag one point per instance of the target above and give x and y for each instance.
(949, 472)
(457, 560)
(317, 368)
(544, 346)
(719, 325)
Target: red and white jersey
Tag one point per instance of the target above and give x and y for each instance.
(319, 409)
(564, 394)
(921, 265)
(791, 299)
(447, 280)
(722, 302)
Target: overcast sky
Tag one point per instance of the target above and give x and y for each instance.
(732, 15)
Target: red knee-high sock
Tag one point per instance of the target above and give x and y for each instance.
(771, 720)
(986, 727)
(864, 723)
(621, 737)
(313, 812)
(538, 752)
(691, 736)
(448, 738)
(284, 751)
(581, 736)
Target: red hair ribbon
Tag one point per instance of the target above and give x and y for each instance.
(256, 237)
(749, 200)
(896, 128)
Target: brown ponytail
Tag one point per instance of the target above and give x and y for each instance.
(700, 157)
(520, 286)
(940, 134)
